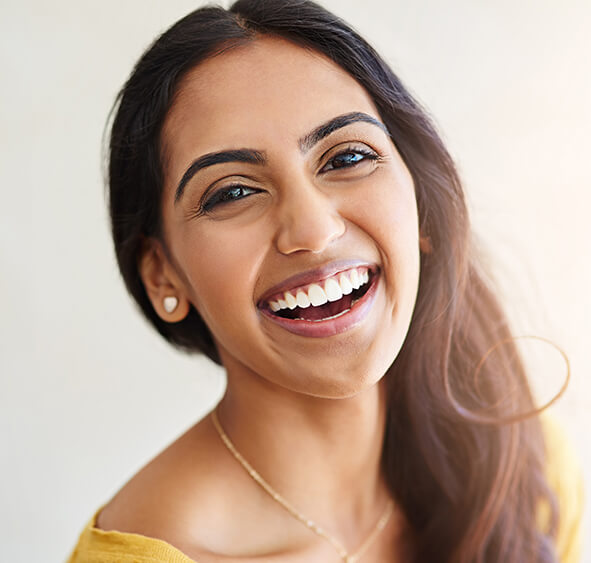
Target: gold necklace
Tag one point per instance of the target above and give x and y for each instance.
(339, 547)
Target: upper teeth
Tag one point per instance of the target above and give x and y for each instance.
(316, 294)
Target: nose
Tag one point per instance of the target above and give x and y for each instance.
(308, 219)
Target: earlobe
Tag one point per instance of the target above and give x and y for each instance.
(170, 303)
(425, 244)
(162, 284)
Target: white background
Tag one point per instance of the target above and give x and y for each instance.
(89, 393)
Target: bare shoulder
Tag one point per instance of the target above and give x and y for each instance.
(196, 497)
(172, 495)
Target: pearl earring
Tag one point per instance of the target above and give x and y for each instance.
(170, 303)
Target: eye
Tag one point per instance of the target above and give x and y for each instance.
(226, 195)
(349, 158)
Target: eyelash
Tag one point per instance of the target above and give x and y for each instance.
(222, 196)
(355, 151)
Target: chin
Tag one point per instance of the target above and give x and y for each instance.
(340, 382)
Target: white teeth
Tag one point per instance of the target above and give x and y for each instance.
(303, 300)
(332, 289)
(345, 284)
(290, 300)
(317, 295)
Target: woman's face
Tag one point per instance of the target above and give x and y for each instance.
(290, 219)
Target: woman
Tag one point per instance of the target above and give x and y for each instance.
(281, 203)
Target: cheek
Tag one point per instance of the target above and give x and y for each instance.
(390, 216)
(221, 269)
(389, 213)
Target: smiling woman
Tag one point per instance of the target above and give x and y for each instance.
(304, 175)
(280, 203)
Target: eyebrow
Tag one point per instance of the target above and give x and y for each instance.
(241, 155)
(252, 156)
(324, 130)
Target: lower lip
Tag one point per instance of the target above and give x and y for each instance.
(330, 327)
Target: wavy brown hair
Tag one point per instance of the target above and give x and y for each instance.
(470, 488)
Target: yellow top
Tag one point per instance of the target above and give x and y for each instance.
(563, 473)
(564, 476)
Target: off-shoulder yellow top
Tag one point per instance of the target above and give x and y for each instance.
(563, 473)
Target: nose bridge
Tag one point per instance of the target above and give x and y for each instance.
(308, 218)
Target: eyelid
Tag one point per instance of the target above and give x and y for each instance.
(214, 188)
(343, 146)
(219, 193)
(232, 180)
(361, 147)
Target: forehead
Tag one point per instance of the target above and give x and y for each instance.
(266, 91)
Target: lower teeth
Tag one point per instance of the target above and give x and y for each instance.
(330, 318)
(325, 318)
(333, 317)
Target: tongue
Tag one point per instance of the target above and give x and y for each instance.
(324, 311)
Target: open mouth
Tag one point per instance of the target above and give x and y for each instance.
(326, 300)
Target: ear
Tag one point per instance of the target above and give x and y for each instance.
(425, 244)
(162, 283)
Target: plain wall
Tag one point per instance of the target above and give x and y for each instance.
(90, 392)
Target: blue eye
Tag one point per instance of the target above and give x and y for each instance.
(227, 195)
(348, 159)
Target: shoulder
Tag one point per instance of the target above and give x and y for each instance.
(172, 495)
(564, 475)
(196, 500)
(99, 546)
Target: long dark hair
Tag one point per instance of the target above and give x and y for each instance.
(470, 489)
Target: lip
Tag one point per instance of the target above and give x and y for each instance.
(316, 275)
(330, 327)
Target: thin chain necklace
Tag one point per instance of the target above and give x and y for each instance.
(338, 546)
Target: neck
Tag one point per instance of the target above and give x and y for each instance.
(323, 455)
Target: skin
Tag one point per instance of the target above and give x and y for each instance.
(308, 413)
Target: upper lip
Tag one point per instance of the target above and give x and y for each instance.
(315, 275)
